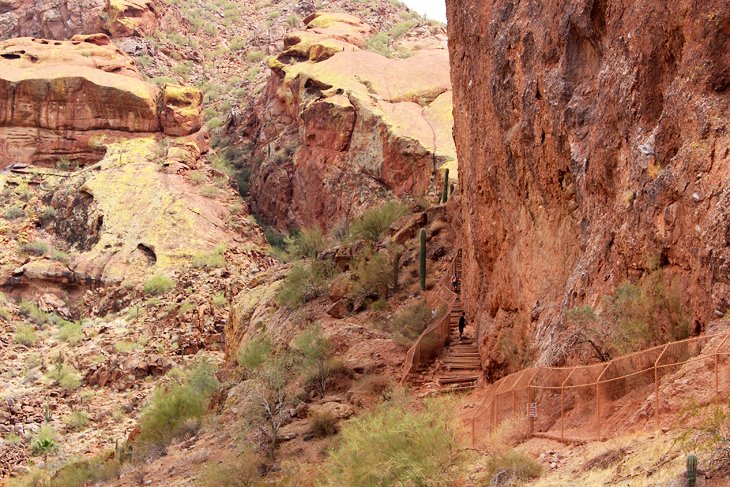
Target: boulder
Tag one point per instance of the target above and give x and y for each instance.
(127, 18)
(182, 112)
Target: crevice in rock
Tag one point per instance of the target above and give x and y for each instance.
(148, 252)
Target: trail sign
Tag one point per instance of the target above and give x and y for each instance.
(532, 409)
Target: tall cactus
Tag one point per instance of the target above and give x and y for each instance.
(423, 259)
(445, 194)
(452, 189)
(47, 413)
(691, 470)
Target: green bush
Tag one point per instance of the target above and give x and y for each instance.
(323, 424)
(512, 467)
(47, 214)
(197, 177)
(44, 441)
(34, 248)
(254, 353)
(31, 311)
(70, 332)
(158, 284)
(87, 472)
(304, 283)
(13, 213)
(315, 353)
(25, 334)
(242, 470)
(209, 191)
(408, 323)
(374, 222)
(308, 242)
(375, 451)
(212, 260)
(379, 43)
(173, 408)
(219, 300)
(255, 56)
(373, 273)
(65, 376)
(76, 420)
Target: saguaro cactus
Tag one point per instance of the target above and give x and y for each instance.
(691, 470)
(423, 259)
(445, 195)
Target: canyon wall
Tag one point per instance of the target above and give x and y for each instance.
(592, 138)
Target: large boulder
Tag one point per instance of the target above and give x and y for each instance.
(127, 18)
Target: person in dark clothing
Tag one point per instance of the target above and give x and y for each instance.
(462, 324)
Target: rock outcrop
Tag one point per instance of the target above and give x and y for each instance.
(339, 128)
(60, 97)
(592, 137)
(50, 19)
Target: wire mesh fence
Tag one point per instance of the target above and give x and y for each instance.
(601, 400)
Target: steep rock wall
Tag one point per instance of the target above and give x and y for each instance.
(591, 134)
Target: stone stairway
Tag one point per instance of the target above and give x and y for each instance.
(459, 366)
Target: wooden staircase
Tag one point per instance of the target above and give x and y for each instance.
(459, 365)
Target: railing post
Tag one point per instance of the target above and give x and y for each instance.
(598, 399)
(656, 388)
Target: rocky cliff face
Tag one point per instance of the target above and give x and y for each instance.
(591, 136)
(62, 96)
(339, 128)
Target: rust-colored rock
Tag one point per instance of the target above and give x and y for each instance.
(63, 98)
(127, 18)
(50, 19)
(339, 128)
(591, 135)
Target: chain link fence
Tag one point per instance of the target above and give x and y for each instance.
(595, 402)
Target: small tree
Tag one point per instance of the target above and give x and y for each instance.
(268, 399)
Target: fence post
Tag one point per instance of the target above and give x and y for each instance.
(598, 399)
(656, 387)
(532, 418)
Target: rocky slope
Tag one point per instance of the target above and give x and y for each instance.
(593, 146)
(339, 128)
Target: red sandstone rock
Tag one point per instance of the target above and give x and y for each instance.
(590, 136)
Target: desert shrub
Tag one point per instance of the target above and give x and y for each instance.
(209, 191)
(374, 451)
(65, 376)
(176, 409)
(220, 300)
(375, 385)
(374, 222)
(211, 260)
(44, 441)
(304, 283)
(87, 472)
(323, 424)
(5, 314)
(399, 29)
(34, 248)
(184, 308)
(379, 43)
(47, 214)
(70, 332)
(308, 242)
(159, 284)
(516, 344)
(13, 213)
(197, 177)
(25, 334)
(315, 353)
(76, 420)
(254, 352)
(31, 311)
(255, 56)
(59, 255)
(293, 20)
(511, 466)
(408, 323)
(241, 470)
(373, 274)
(238, 43)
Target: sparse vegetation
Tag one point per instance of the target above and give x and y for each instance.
(374, 451)
(323, 424)
(176, 410)
(159, 284)
(70, 332)
(25, 334)
(65, 376)
(211, 260)
(304, 283)
(408, 323)
(13, 213)
(373, 223)
(510, 467)
(76, 420)
(315, 353)
(36, 248)
(254, 353)
(240, 470)
(31, 311)
(219, 300)
(308, 242)
(44, 441)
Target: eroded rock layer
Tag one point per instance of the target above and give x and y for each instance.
(60, 97)
(592, 135)
(339, 128)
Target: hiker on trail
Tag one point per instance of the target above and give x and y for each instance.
(462, 324)
(455, 283)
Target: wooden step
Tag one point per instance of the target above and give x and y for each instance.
(457, 380)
